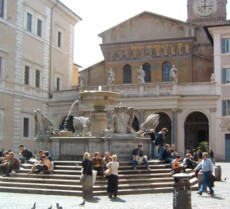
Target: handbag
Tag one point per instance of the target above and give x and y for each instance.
(108, 171)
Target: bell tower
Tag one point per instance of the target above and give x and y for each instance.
(206, 12)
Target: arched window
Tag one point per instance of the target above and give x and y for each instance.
(127, 74)
(166, 67)
(147, 69)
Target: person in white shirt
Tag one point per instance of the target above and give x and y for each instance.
(206, 167)
(113, 177)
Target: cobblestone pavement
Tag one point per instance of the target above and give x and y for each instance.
(221, 200)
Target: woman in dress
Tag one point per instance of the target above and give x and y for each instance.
(87, 180)
(113, 178)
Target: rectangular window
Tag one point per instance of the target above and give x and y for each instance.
(226, 75)
(58, 84)
(39, 28)
(29, 22)
(1, 70)
(37, 79)
(59, 38)
(26, 127)
(1, 124)
(27, 75)
(225, 45)
(2, 8)
(226, 107)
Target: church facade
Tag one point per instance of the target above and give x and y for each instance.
(195, 107)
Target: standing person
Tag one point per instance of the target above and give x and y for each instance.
(160, 141)
(113, 178)
(211, 155)
(152, 135)
(206, 167)
(87, 180)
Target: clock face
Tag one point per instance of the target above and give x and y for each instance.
(204, 8)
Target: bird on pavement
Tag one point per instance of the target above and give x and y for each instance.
(34, 206)
(50, 207)
(58, 206)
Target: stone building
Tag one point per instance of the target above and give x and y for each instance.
(36, 58)
(195, 106)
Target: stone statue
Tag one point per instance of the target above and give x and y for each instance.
(122, 119)
(82, 126)
(141, 75)
(173, 74)
(151, 122)
(111, 76)
(43, 125)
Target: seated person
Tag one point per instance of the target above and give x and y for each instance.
(98, 164)
(48, 156)
(106, 159)
(25, 154)
(47, 153)
(188, 161)
(177, 166)
(166, 156)
(138, 157)
(43, 166)
(10, 163)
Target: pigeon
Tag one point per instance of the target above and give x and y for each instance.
(34, 206)
(50, 207)
(58, 207)
(83, 203)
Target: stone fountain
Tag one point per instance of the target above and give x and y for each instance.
(119, 139)
(98, 100)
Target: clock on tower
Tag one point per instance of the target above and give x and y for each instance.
(206, 12)
(203, 8)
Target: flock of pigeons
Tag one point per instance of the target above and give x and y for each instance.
(57, 206)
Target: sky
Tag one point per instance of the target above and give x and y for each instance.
(100, 15)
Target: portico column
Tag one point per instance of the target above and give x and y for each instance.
(174, 125)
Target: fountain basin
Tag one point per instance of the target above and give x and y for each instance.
(99, 99)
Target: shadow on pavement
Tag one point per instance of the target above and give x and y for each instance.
(117, 199)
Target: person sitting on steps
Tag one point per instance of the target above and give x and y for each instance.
(98, 164)
(177, 166)
(138, 157)
(43, 166)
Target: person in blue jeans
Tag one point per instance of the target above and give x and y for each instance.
(152, 135)
(206, 167)
(160, 141)
(138, 157)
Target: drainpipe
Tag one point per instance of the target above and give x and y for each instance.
(50, 47)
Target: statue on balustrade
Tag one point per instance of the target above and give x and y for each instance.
(141, 75)
(173, 74)
(111, 76)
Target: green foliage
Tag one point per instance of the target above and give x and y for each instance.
(204, 147)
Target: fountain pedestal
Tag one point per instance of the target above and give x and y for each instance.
(99, 100)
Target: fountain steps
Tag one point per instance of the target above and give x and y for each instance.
(65, 180)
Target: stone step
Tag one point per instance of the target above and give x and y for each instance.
(99, 181)
(66, 180)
